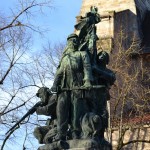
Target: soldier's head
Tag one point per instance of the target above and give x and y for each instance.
(103, 57)
(73, 41)
(94, 9)
(44, 94)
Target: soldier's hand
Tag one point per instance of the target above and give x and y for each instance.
(87, 84)
(54, 89)
(40, 110)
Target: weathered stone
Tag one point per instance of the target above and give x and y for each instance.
(80, 144)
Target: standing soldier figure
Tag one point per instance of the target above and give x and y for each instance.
(106, 78)
(74, 71)
(87, 34)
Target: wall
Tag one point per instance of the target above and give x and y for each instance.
(123, 17)
(108, 27)
(134, 134)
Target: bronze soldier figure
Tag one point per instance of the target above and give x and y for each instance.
(105, 77)
(87, 34)
(74, 71)
(42, 133)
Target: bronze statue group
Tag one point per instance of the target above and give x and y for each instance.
(77, 101)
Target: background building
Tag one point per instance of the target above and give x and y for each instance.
(124, 32)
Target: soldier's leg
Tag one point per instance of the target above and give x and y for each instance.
(62, 111)
(91, 100)
(101, 108)
(40, 132)
(78, 111)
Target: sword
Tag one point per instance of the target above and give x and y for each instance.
(83, 88)
(79, 88)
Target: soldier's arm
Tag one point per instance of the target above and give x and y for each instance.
(49, 109)
(97, 18)
(106, 74)
(86, 67)
(58, 78)
(42, 110)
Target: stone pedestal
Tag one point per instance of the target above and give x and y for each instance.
(80, 144)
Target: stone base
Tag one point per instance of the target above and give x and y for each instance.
(83, 144)
(80, 144)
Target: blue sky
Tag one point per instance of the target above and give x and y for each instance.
(60, 20)
(64, 17)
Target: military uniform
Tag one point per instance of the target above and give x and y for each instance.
(42, 133)
(74, 71)
(106, 78)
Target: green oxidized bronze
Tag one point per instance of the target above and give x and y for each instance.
(87, 32)
(45, 134)
(74, 71)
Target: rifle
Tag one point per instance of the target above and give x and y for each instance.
(59, 89)
(83, 88)
(109, 76)
(30, 112)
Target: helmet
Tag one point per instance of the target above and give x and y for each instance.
(43, 90)
(73, 35)
(105, 54)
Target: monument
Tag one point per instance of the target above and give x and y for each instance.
(77, 100)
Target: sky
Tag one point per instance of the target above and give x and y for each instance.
(63, 17)
(60, 20)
